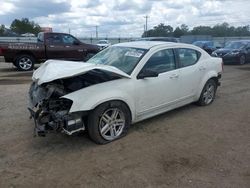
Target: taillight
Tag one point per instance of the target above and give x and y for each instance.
(1, 51)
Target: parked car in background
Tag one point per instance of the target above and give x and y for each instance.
(234, 52)
(103, 44)
(166, 39)
(208, 46)
(122, 84)
(28, 35)
(48, 46)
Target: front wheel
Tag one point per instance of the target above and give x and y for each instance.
(108, 122)
(24, 62)
(242, 59)
(208, 93)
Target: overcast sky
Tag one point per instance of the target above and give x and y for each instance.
(123, 18)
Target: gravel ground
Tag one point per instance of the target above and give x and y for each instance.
(188, 147)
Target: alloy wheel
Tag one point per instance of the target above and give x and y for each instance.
(25, 63)
(242, 59)
(111, 123)
(209, 93)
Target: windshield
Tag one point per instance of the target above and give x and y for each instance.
(123, 58)
(235, 45)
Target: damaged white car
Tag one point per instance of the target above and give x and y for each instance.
(122, 84)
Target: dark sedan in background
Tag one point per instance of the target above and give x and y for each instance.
(234, 52)
(208, 46)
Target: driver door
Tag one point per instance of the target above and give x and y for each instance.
(155, 95)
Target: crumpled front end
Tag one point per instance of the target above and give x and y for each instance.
(47, 105)
(51, 112)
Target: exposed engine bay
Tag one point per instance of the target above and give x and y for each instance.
(51, 112)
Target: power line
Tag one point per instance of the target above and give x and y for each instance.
(96, 31)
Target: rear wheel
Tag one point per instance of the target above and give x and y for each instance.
(108, 122)
(25, 62)
(208, 93)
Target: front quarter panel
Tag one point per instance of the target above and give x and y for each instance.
(90, 97)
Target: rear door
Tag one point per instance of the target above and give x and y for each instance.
(63, 46)
(74, 49)
(54, 46)
(191, 71)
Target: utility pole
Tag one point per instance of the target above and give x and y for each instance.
(146, 26)
(96, 31)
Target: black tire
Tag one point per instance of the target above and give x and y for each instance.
(25, 62)
(95, 121)
(208, 94)
(242, 59)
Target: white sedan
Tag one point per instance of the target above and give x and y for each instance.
(103, 44)
(123, 84)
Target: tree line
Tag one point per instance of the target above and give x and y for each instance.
(19, 27)
(219, 30)
(24, 25)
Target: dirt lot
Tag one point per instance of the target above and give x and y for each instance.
(189, 147)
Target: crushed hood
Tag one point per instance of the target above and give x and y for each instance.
(57, 69)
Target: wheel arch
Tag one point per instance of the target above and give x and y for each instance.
(94, 101)
(210, 75)
(116, 100)
(24, 52)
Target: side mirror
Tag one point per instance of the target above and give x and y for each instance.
(146, 73)
(76, 42)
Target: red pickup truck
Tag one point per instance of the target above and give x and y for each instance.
(48, 46)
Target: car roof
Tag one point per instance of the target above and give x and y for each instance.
(203, 41)
(150, 44)
(142, 44)
(165, 39)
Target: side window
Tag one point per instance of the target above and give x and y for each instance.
(161, 61)
(54, 39)
(67, 39)
(40, 37)
(188, 57)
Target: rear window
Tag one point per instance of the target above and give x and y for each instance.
(53, 39)
(40, 37)
(187, 57)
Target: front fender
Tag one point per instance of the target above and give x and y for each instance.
(90, 97)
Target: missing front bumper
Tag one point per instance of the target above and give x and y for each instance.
(57, 122)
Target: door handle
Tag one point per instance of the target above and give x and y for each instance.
(51, 46)
(67, 46)
(174, 76)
